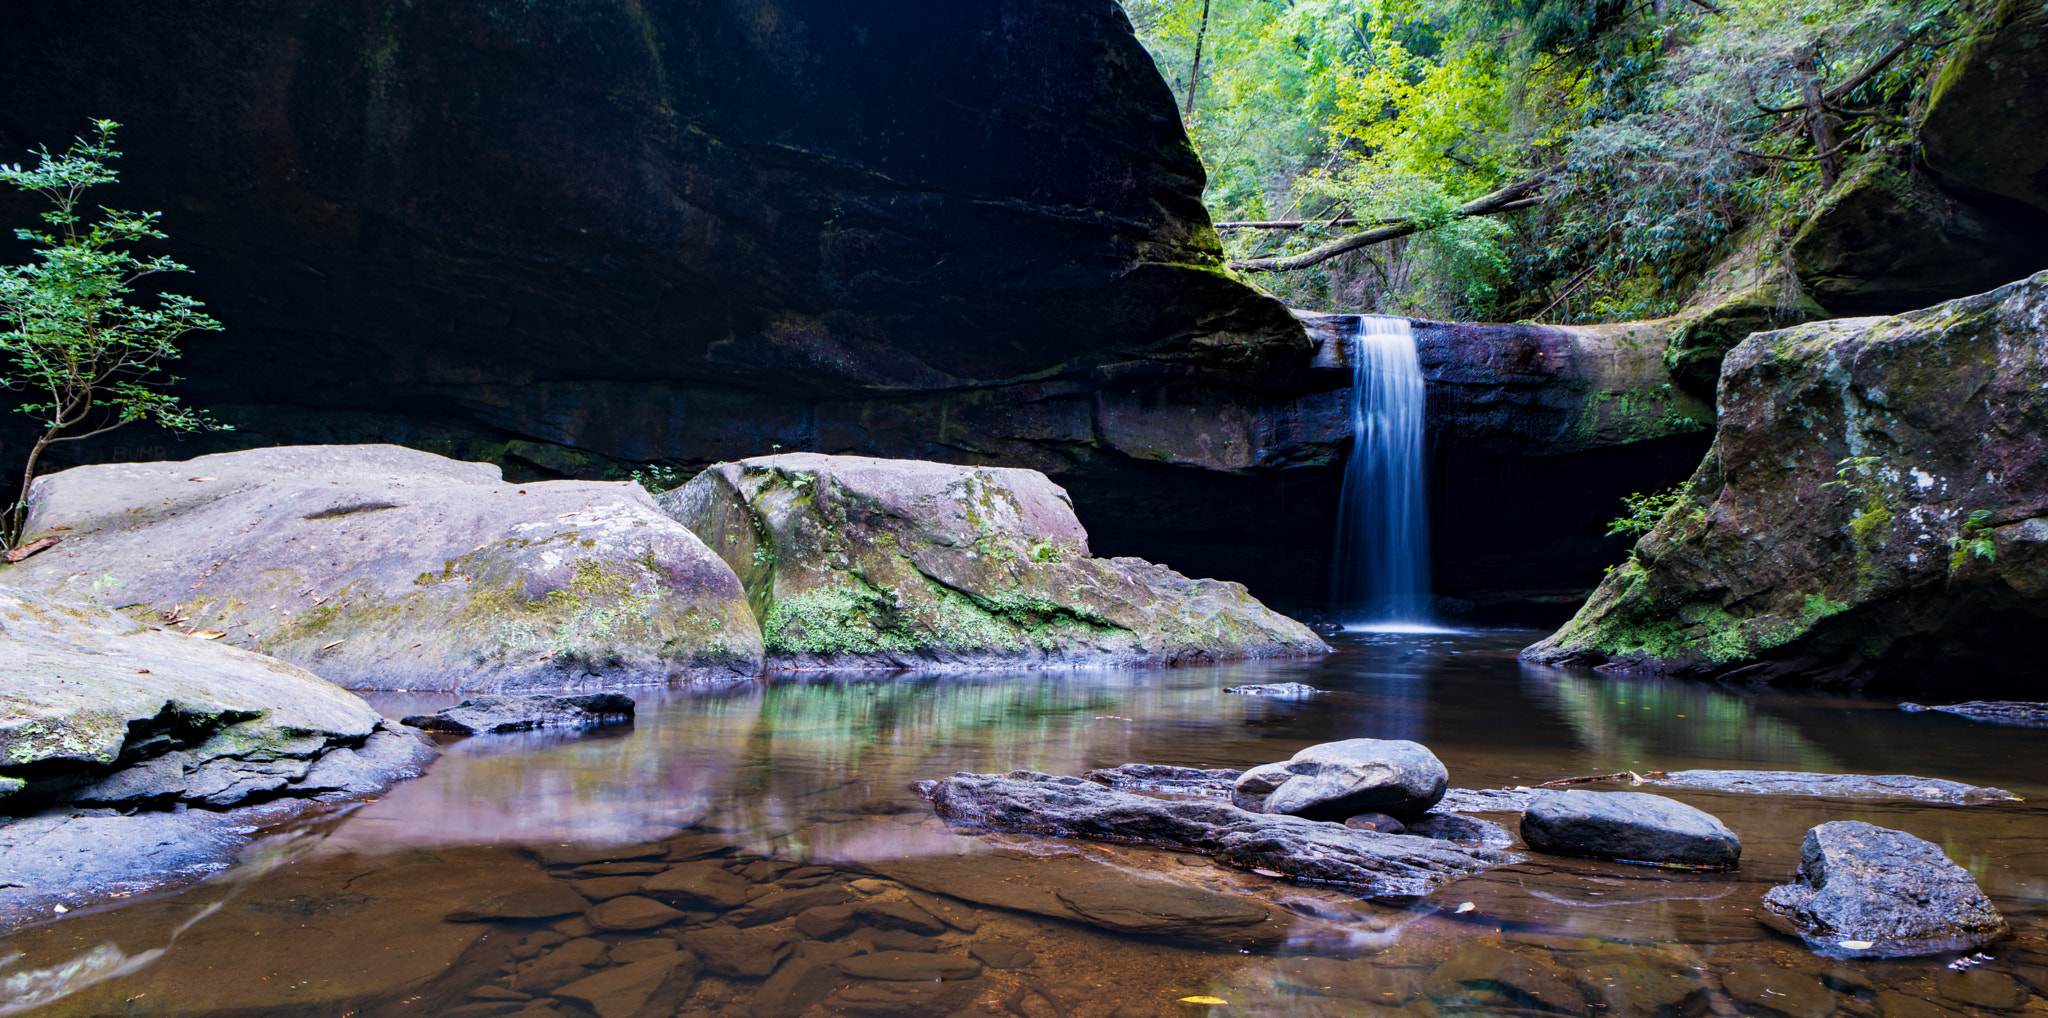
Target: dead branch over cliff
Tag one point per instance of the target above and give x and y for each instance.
(1518, 195)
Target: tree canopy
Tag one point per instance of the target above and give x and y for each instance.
(1644, 136)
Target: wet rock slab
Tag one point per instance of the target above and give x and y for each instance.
(480, 715)
(1847, 786)
(1628, 827)
(1282, 690)
(1380, 865)
(1860, 884)
(1999, 712)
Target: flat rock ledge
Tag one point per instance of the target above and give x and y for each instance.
(1306, 851)
(1998, 712)
(380, 567)
(486, 715)
(1864, 890)
(1844, 786)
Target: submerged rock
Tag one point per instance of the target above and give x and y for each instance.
(490, 714)
(1379, 865)
(1628, 827)
(2000, 712)
(1873, 510)
(381, 567)
(1858, 883)
(102, 711)
(1276, 689)
(866, 563)
(1334, 780)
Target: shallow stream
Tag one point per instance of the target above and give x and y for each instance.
(343, 914)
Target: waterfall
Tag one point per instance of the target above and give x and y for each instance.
(1381, 575)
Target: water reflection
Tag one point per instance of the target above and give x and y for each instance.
(819, 771)
(1649, 722)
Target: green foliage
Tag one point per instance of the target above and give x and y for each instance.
(87, 358)
(1644, 511)
(1650, 121)
(658, 479)
(1971, 541)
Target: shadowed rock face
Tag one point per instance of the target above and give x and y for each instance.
(570, 238)
(1872, 512)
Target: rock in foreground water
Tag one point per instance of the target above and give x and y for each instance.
(381, 567)
(1871, 510)
(1335, 780)
(101, 711)
(1847, 786)
(490, 714)
(1998, 712)
(1280, 690)
(854, 562)
(1858, 883)
(1379, 865)
(1628, 827)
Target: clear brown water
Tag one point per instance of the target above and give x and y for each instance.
(342, 915)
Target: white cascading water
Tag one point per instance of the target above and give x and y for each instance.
(1381, 576)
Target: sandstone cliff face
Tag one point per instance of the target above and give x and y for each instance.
(1874, 511)
(574, 237)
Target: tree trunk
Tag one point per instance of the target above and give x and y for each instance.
(1195, 73)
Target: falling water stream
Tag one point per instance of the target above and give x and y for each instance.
(1380, 579)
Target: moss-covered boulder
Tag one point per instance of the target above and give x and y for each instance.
(1986, 128)
(386, 568)
(1874, 510)
(858, 562)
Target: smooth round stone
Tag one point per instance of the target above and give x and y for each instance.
(1378, 823)
(1335, 780)
(1628, 827)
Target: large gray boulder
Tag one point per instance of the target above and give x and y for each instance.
(1628, 827)
(858, 562)
(1893, 894)
(381, 568)
(99, 712)
(1335, 780)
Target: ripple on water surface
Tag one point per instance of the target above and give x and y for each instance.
(798, 792)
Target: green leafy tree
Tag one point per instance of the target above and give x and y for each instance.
(87, 351)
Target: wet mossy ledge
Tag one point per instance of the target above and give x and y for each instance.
(1874, 512)
(379, 567)
(855, 562)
